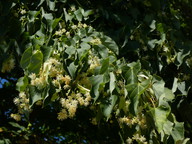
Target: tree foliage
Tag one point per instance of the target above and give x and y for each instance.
(113, 71)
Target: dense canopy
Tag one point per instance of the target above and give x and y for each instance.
(86, 71)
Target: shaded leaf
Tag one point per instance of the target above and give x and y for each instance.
(25, 59)
(131, 72)
(105, 65)
(36, 62)
(17, 125)
(35, 95)
(109, 107)
(72, 68)
(110, 44)
(47, 51)
(134, 93)
(96, 81)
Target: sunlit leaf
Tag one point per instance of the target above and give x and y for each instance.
(112, 82)
(22, 83)
(160, 115)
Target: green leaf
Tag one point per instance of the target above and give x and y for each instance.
(55, 23)
(160, 115)
(36, 62)
(181, 56)
(167, 127)
(112, 82)
(72, 68)
(175, 85)
(52, 23)
(51, 4)
(178, 131)
(152, 43)
(54, 97)
(131, 72)
(105, 65)
(166, 97)
(134, 93)
(67, 16)
(70, 50)
(22, 83)
(83, 50)
(85, 45)
(182, 87)
(47, 16)
(33, 15)
(45, 95)
(102, 50)
(158, 86)
(17, 125)
(122, 104)
(78, 15)
(40, 3)
(96, 81)
(109, 106)
(25, 59)
(168, 94)
(185, 141)
(47, 51)
(5, 141)
(87, 13)
(35, 95)
(153, 25)
(110, 44)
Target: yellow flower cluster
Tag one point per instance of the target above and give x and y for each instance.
(52, 68)
(140, 120)
(38, 82)
(94, 62)
(95, 41)
(60, 32)
(8, 65)
(138, 138)
(94, 121)
(125, 120)
(22, 102)
(23, 11)
(60, 79)
(80, 25)
(70, 105)
(16, 117)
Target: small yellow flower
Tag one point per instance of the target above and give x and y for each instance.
(16, 117)
(62, 115)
